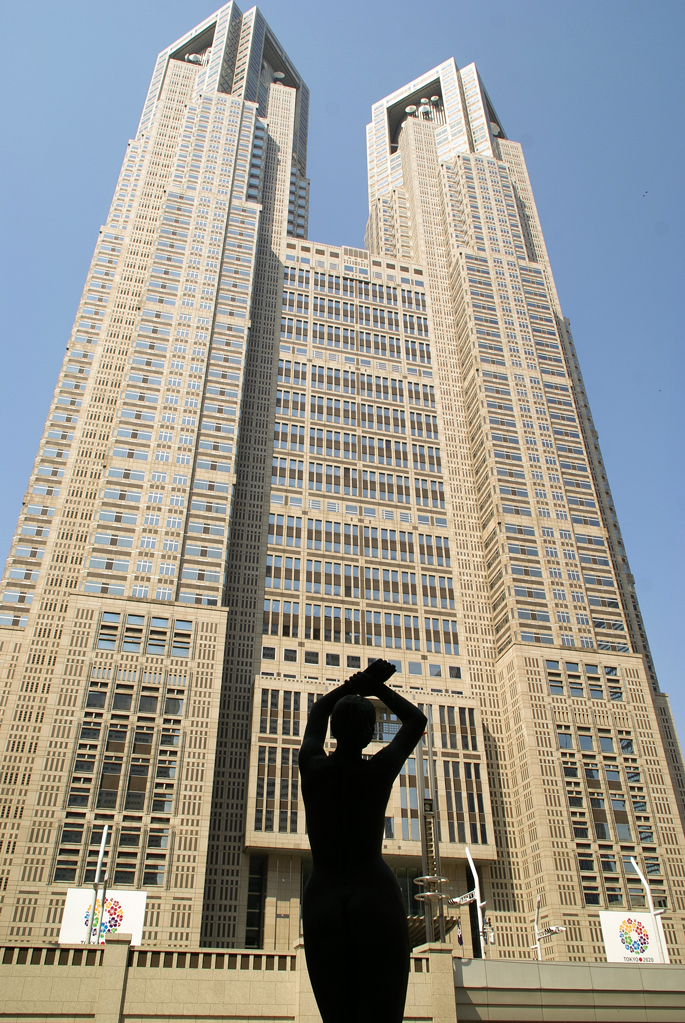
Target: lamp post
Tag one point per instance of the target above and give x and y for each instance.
(431, 879)
(96, 883)
(654, 913)
(545, 932)
(474, 896)
(101, 918)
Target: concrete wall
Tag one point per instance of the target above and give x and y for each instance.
(71, 983)
(523, 991)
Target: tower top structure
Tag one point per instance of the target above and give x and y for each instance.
(238, 54)
(454, 100)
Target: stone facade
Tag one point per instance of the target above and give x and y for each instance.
(117, 983)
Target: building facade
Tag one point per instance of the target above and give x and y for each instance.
(268, 461)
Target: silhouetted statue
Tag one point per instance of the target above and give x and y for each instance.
(355, 921)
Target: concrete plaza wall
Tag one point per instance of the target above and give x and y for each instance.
(120, 984)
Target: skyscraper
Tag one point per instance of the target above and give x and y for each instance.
(437, 496)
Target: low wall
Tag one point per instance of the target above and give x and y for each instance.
(73, 983)
(521, 990)
(120, 984)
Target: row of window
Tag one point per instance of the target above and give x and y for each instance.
(354, 288)
(135, 634)
(374, 486)
(293, 436)
(354, 581)
(366, 449)
(282, 618)
(606, 744)
(135, 850)
(348, 538)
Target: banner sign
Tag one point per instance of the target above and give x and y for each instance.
(124, 911)
(631, 937)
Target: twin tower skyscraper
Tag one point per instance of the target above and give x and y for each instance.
(269, 460)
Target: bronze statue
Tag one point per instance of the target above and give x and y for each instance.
(354, 918)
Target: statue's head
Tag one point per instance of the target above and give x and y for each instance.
(352, 721)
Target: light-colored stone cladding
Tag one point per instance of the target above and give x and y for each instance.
(117, 983)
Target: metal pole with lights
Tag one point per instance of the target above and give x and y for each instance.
(431, 880)
(656, 913)
(474, 896)
(545, 932)
(96, 883)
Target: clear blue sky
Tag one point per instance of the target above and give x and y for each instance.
(593, 90)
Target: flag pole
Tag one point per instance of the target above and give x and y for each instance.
(96, 883)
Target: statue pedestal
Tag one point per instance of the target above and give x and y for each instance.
(307, 1010)
(435, 997)
(430, 993)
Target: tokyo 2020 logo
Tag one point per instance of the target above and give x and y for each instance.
(112, 920)
(634, 936)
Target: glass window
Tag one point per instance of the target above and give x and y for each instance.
(586, 742)
(565, 740)
(153, 877)
(129, 838)
(606, 743)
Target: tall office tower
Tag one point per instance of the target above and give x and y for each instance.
(143, 507)
(497, 514)
(437, 496)
(583, 764)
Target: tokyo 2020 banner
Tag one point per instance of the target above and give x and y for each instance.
(124, 912)
(631, 938)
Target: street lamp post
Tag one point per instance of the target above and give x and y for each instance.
(655, 913)
(474, 896)
(545, 932)
(96, 884)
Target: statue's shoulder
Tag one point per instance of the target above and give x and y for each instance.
(312, 755)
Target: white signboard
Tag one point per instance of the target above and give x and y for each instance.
(631, 937)
(124, 911)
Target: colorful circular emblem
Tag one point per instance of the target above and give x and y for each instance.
(634, 936)
(112, 919)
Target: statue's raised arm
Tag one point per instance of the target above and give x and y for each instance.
(354, 918)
